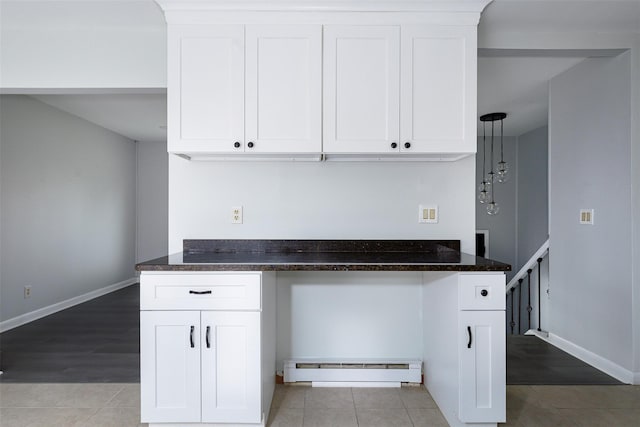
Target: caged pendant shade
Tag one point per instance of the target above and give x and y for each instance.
(497, 173)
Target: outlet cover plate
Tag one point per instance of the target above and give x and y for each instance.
(428, 214)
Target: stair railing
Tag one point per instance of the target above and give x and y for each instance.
(516, 284)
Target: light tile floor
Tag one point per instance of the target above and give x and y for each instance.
(117, 405)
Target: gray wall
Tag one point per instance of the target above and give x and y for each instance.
(68, 206)
(502, 227)
(533, 196)
(590, 167)
(152, 200)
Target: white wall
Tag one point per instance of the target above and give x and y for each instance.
(502, 227)
(590, 167)
(68, 206)
(103, 44)
(533, 196)
(360, 200)
(152, 200)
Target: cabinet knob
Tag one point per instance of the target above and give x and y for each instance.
(236, 144)
(250, 144)
(484, 292)
(407, 145)
(394, 145)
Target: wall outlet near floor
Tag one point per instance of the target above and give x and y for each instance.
(428, 214)
(27, 291)
(236, 215)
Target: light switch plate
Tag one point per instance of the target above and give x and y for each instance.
(586, 216)
(428, 214)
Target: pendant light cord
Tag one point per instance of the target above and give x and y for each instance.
(501, 138)
(484, 151)
(493, 190)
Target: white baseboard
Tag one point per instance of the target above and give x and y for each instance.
(605, 365)
(14, 322)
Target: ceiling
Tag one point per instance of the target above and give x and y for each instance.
(514, 82)
(138, 116)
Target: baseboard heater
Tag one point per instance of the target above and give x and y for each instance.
(353, 373)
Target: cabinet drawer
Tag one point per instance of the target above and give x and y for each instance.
(481, 292)
(200, 291)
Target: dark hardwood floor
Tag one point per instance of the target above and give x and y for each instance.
(532, 361)
(97, 341)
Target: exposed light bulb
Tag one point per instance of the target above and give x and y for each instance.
(493, 208)
(483, 197)
(503, 171)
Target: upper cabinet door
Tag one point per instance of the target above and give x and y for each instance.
(438, 85)
(284, 88)
(361, 89)
(205, 77)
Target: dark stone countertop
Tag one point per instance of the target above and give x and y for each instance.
(321, 255)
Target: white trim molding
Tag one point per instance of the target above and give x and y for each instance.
(605, 365)
(59, 306)
(328, 5)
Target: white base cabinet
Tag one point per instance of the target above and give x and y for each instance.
(482, 348)
(207, 366)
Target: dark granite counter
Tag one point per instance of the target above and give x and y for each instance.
(322, 255)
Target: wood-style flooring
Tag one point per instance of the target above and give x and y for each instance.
(98, 342)
(532, 361)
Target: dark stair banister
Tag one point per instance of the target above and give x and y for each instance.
(517, 281)
(539, 261)
(529, 308)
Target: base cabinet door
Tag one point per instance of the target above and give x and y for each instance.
(482, 366)
(231, 367)
(170, 366)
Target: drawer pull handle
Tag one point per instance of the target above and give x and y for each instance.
(193, 344)
(200, 292)
(207, 336)
(469, 332)
(484, 292)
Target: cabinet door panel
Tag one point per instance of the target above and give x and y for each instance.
(170, 367)
(482, 366)
(284, 65)
(361, 91)
(438, 85)
(231, 367)
(205, 88)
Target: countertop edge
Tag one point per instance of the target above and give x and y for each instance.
(322, 267)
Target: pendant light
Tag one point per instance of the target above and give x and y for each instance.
(483, 196)
(501, 172)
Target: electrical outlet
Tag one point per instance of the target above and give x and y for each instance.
(586, 216)
(236, 215)
(27, 291)
(428, 214)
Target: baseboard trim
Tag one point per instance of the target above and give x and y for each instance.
(14, 322)
(605, 365)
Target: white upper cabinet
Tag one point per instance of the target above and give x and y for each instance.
(284, 88)
(296, 80)
(393, 89)
(438, 89)
(228, 96)
(361, 88)
(205, 93)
